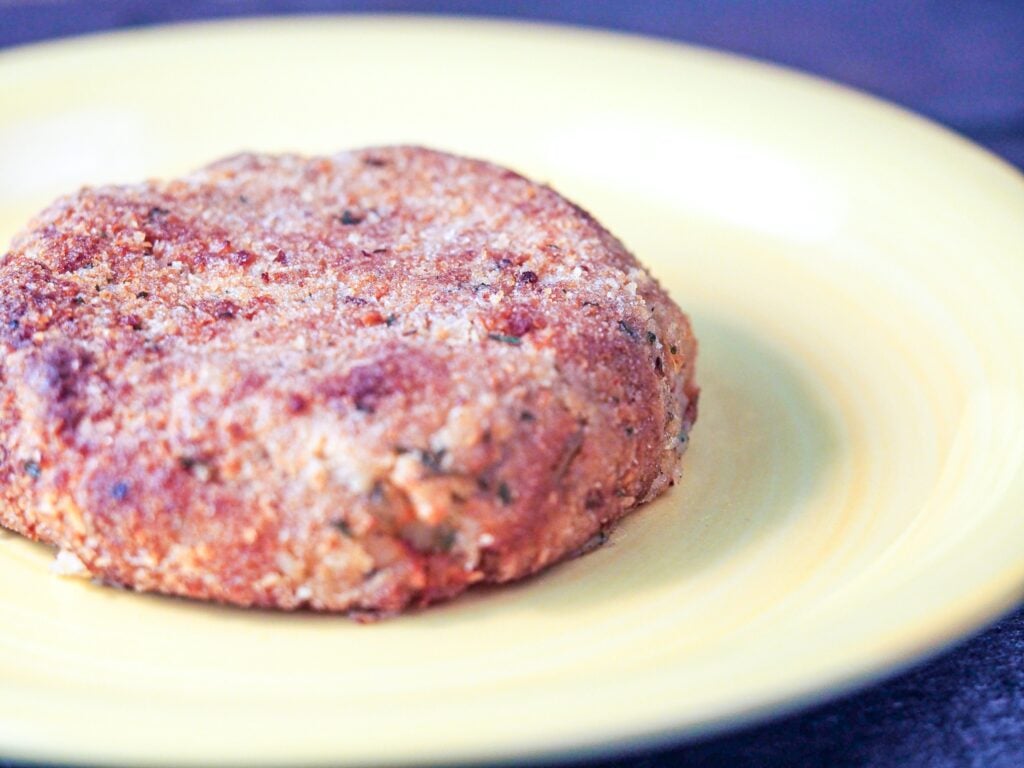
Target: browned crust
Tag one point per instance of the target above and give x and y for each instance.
(354, 383)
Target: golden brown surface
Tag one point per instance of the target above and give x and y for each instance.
(354, 383)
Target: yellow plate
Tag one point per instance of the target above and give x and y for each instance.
(853, 494)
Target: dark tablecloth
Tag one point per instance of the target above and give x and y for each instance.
(960, 62)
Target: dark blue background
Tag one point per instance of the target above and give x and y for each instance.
(959, 62)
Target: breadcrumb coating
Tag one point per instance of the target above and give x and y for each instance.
(355, 383)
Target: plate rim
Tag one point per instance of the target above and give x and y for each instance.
(611, 35)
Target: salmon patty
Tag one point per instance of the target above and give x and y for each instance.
(355, 383)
